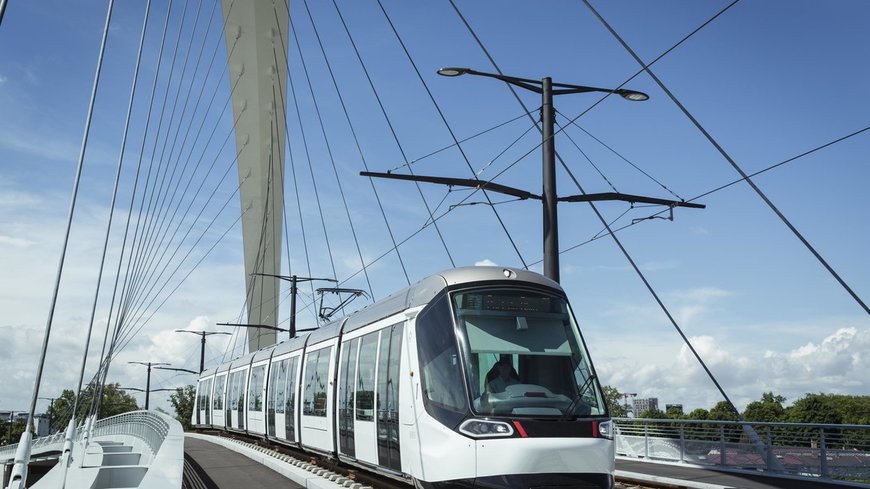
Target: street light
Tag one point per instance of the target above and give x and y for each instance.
(202, 351)
(548, 115)
(148, 381)
(545, 87)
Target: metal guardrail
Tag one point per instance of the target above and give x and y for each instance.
(840, 452)
(148, 426)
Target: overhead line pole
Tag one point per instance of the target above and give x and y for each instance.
(549, 197)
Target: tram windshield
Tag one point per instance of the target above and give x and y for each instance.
(524, 355)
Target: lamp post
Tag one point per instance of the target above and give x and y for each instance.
(548, 148)
(548, 197)
(202, 351)
(148, 379)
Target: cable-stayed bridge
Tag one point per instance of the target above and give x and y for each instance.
(223, 101)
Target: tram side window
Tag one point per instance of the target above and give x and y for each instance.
(290, 399)
(218, 402)
(316, 382)
(255, 388)
(206, 395)
(233, 400)
(276, 387)
(240, 390)
(365, 389)
(345, 403)
(441, 373)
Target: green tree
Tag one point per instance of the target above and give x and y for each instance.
(653, 414)
(115, 401)
(723, 411)
(768, 409)
(814, 408)
(182, 401)
(10, 432)
(614, 401)
(699, 414)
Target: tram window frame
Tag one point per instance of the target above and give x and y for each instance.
(218, 398)
(279, 386)
(365, 404)
(317, 383)
(438, 349)
(255, 388)
(290, 399)
(348, 369)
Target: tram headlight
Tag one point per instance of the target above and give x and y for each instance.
(479, 428)
(605, 429)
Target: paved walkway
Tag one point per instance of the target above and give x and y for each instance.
(221, 468)
(707, 478)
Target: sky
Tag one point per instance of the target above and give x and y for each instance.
(768, 80)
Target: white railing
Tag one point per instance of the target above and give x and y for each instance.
(811, 450)
(40, 445)
(147, 426)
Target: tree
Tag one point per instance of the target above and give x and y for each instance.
(182, 400)
(653, 414)
(11, 432)
(768, 409)
(115, 401)
(699, 414)
(723, 411)
(814, 408)
(614, 402)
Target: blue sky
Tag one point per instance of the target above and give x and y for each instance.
(769, 80)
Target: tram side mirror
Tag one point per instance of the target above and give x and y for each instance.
(522, 324)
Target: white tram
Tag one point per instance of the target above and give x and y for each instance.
(475, 377)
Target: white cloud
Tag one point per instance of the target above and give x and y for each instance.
(14, 242)
(837, 364)
(3, 79)
(486, 262)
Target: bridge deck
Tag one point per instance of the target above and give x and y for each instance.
(712, 478)
(220, 468)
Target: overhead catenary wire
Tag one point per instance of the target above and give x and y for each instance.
(729, 184)
(605, 223)
(586, 157)
(731, 161)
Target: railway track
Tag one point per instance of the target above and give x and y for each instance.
(362, 479)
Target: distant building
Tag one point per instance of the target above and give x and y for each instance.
(646, 404)
(16, 417)
(674, 409)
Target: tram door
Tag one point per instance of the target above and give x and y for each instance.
(317, 393)
(217, 403)
(369, 397)
(282, 386)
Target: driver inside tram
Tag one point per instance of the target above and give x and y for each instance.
(505, 376)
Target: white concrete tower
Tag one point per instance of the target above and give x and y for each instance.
(256, 38)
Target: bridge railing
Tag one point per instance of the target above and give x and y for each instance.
(147, 426)
(810, 450)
